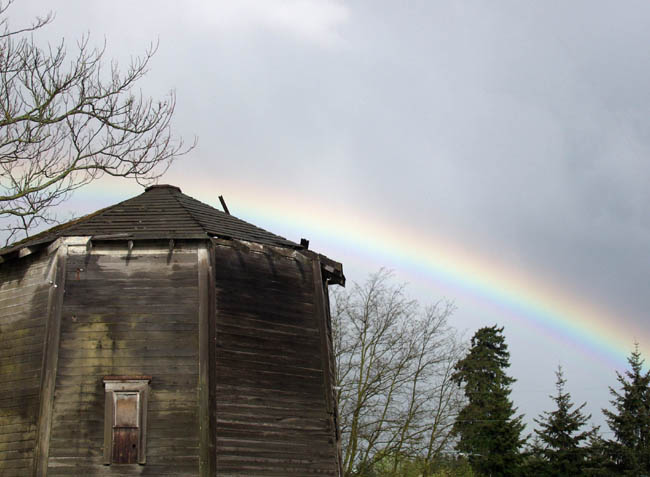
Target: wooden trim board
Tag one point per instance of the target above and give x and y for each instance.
(50, 361)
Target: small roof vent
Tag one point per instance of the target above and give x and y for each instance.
(163, 186)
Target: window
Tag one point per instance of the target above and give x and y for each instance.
(125, 419)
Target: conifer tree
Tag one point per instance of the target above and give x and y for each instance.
(534, 462)
(598, 461)
(487, 428)
(630, 420)
(562, 443)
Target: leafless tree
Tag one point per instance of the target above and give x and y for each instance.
(394, 366)
(65, 120)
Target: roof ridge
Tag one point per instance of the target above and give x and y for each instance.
(176, 196)
(227, 216)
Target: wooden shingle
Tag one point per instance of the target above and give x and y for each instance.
(160, 212)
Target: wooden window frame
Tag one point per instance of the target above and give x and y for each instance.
(137, 384)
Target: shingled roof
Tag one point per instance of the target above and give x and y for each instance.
(160, 212)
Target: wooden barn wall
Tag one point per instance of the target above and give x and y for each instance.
(24, 290)
(128, 313)
(272, 416)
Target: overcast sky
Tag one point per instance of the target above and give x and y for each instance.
(516, 130)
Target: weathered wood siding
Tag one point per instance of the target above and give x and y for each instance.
(24, 290)
(272, 416)
(128, 314)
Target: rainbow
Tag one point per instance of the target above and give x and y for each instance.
(528, 298)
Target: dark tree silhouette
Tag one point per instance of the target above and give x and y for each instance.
(561, 441)
(630, 420)
(487, 428)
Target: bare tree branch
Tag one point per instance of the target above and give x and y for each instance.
(66, 120)
(394, 366)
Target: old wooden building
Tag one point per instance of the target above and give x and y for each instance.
(161, 336)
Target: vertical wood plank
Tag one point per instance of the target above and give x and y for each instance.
(207, 463)
(50, 362)
(142, 445)
(332, 359)
(108, 427)
(321, 303)
(212, 358)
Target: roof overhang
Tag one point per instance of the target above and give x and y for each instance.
(331, 269)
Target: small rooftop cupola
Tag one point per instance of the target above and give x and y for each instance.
(162, 186)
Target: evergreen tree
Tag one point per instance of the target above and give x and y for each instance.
(598, 461)
(534, 463)
(488, 431)
(630, 420)
(562, 445)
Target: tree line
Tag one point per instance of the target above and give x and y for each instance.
(416, 400)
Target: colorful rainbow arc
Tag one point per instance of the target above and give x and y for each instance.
(531, 300)
(538, 304)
